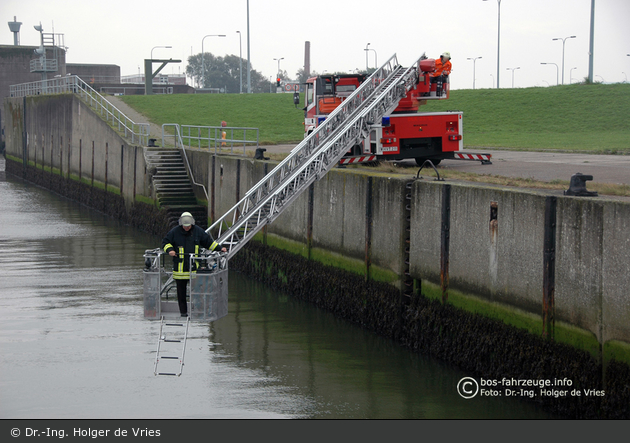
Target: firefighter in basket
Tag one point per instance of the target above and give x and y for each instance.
(180, 243)
(443, 68)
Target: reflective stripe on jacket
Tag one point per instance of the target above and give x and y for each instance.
(186, 243)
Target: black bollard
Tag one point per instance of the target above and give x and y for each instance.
(577, 186)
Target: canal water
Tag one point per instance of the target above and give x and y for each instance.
(74, 342)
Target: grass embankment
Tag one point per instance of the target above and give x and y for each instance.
(573, 118)
(278, 120)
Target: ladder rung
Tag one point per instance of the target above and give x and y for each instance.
(166, 373)
(172, 358)
(173, 324)
(173, 341)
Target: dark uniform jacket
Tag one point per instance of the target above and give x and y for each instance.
(185, 243)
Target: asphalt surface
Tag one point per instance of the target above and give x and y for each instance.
(542, 166)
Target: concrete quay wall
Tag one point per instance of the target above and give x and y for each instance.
(62, 133)
(496, 236)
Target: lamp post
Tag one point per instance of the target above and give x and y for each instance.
(203, 65)
(278, 59)
(563, 41)
(513, 69)
(557, 73)
(571, 75)
(474, 59)
(240, 60)
(366, 57)
(158, 47)
(249, 64)
(498, 37)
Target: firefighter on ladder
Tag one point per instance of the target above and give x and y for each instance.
(443, 68)
(180, 242)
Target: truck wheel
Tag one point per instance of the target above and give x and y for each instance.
(420, 161)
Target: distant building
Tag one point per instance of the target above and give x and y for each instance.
(20, 64)
(94, 73)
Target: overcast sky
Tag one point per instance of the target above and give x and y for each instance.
(124, 33)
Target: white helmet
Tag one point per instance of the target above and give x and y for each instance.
(186, 219)
(446, 55)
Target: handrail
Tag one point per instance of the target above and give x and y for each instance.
(137, 132)
(180, 144)
(201, 140)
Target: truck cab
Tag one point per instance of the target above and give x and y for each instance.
(405, 133)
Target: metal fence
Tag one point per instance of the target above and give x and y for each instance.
(217, 137)
(135, 132)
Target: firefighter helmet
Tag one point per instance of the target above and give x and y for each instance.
(186, 219)
(446, 55)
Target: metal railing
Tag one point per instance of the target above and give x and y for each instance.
(136, 132)
(212, 137)
(179, 144)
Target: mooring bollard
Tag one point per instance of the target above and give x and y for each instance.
(577, 186)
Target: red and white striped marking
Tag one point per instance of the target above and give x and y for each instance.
(358, 159)
(481, 157)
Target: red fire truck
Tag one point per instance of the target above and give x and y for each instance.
(405, 133)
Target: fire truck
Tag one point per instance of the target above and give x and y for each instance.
(406, 133)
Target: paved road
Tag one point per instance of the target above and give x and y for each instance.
(543, 166)
(547, 166)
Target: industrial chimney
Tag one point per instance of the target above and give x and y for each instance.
(14, 26)
(307, 59)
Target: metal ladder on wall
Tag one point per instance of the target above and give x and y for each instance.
(309, 161)
(173, 334)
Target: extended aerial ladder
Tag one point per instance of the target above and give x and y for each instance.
(309, 161)
(347, 125)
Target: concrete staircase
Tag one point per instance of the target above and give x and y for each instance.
(172, 186)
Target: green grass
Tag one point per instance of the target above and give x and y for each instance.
(579, 118)
(274, 115)
(585, 118)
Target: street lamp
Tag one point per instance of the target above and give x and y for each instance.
(158, 47)
(571, 75)
(203, 65)
(498, 37)
(563, 40)
(278, 74)
(513, 69)
(474, 59)
(366, 57)
(557, 73)
(240, 59)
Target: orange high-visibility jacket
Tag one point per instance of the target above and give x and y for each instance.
(442, 68)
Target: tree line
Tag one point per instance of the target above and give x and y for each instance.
(223, 73)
